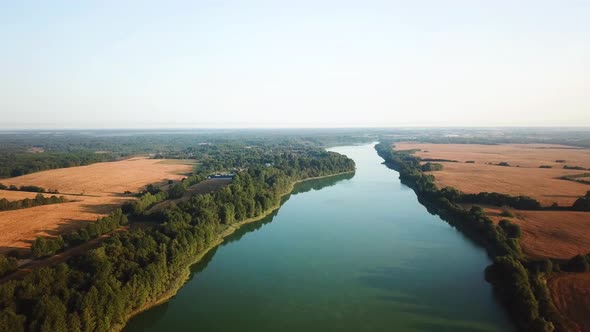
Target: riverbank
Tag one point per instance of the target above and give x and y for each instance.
(185, 273)
(519, 283)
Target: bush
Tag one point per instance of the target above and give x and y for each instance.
(574, 167)
(43, 247)
(507, 213)
(7, 264)
(431, 167)
(34, 189)
(177, 191)
(511, 230)
(578, 263)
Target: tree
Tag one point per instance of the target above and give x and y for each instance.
(177, 191)
(43, 247)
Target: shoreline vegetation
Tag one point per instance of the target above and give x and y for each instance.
(519, 282)
(218, 241)
(134, 270)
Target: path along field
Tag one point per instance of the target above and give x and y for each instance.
(102, 185)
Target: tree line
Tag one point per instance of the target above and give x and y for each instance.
(33, 189)
(49, 246)
(28, 202)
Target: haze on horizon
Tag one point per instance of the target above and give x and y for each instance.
(138, 64)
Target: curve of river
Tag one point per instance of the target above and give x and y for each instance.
(348, 253)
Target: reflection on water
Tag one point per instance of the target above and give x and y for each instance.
(302, 187)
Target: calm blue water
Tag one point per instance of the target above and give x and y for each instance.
(352, 253)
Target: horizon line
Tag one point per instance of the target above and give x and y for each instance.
(299, 127)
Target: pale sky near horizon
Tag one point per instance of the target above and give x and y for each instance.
(128, 64)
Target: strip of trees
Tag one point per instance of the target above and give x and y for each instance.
(6, 205)
(45, 246)
(33, 189)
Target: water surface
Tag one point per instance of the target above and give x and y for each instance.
(350, 253)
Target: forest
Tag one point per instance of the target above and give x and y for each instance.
(100, 289)
(27, 152)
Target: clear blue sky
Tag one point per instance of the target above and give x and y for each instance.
(294, 63)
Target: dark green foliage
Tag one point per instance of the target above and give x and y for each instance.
(470, 162)
(507, 213)
(577, 178)
(511, 230)
(439, 160)
(503, 163)
(10, 321)
(34, 189)
(7, 264)
(146, 201)
(16, 163)
(542, 266)
(430, 167)
(579, 263)
(515, 289)
(545, 166)
(27, 202)
(496, 199)
(152, 189)
(574, 167)
(43, 247)
(582, 203)
(176, 191)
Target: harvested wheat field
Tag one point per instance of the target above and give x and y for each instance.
(102, 184)
(538, 183)
(523, 155)
(549, 234)
(571, 296)
(103, 178)
(542, 184)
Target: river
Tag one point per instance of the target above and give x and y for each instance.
(348, 253)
